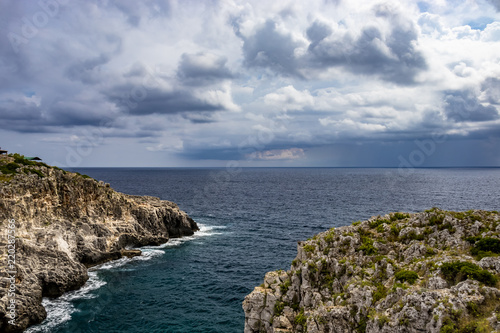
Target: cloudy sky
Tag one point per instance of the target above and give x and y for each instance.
(262, 83)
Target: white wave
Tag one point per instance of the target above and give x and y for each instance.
(59, 310)
(205, 230)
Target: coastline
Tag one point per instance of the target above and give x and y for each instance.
(66, 223)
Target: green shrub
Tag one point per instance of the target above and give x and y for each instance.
(309, 248)
(278, 308)
(457, 271)
(376, 223)
(412, 235)
(436, 219)
(34, 171)
(382, 320)
(301, 318)
(380, 293)
(486, 247)
(399, 216)
(284, 287)
(330, 236)
(408, 276)
(367, 246)
(9, 168)
(395, 230)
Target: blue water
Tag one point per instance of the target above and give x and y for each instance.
(251, 221)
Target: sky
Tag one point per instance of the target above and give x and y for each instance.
(327, 83)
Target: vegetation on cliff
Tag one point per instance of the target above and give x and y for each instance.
(436, 271)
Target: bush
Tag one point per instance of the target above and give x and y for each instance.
(301, 318)
(284, 287)
(9, 168)
(399, 216)
(367, 246)
(330, 237)
(458, 271)
(376, 223)
(278, 308)
(395, 230)
(408, 276)
(34, 171)
(486, 247)
(380, 293)
(436, 219)
(309, 248)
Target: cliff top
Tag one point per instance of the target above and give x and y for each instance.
(435, 271)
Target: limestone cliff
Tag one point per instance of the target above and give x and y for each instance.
(435, 271)
(64, 223)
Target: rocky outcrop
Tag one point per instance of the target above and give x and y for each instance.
(435, 271)
(64, 223)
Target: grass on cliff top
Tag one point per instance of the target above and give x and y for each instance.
(9, 168)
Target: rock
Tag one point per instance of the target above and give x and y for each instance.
(130, 253)
(384, 275)
(65, 223)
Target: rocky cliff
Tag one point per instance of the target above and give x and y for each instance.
(63, 223)
(435, 271)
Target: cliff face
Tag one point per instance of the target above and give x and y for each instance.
(64, 223)
(435, 271)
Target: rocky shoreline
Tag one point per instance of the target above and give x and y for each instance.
(64, 223)
(435, 271)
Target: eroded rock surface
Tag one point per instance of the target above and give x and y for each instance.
(66, 222)
(435, 271)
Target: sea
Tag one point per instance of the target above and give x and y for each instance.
(250, 220)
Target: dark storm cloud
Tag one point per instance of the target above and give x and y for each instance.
(202, 69)
(29, 114)
(462, 106)
(137, 100)
(270, 48)
(19, 109)
(364, 54)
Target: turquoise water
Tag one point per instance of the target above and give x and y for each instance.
(250, 222)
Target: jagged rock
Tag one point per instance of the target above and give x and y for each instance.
(386, 275)
(66, 222)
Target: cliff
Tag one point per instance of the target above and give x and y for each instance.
(64, 223)
(435, 271)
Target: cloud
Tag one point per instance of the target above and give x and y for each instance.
(193, 81)
(491, 90)
(278, 154)
(289, 98)
(203, 69)
(495, 3)
(462, 106)
(270, 48)
(391, 55)
(386, 48)
(491, 33)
